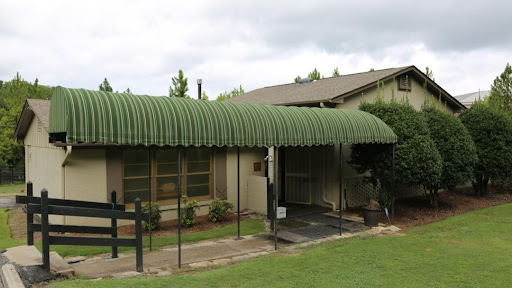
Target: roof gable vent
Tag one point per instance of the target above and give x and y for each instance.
(405, 83)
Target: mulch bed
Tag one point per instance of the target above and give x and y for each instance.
(17, 222)
(170, 227)
(417, 211)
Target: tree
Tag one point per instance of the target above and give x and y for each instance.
(179, 86)
(105, 86)
(455, 146)
(12, 99)
(297, 79)
(204, 96)
(501, 91)
(417, 161)
(315, 75)
(128, 91)
(336, 72)
(491, 131)
(226, 95)
(430, 74)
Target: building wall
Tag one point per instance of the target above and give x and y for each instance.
(86, 180)
(43, 164)
(417, 96)
(248, 156)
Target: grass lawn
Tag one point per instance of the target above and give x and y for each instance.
(469, 250)
(248, 227)
(15, 188)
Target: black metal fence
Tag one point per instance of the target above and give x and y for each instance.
(48, 206)
(12, 175)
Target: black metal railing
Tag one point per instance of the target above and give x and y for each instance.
(48, 206)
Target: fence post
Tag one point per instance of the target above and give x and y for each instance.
(138, 235)
(30, 216)
(113, 222)
(44, 230)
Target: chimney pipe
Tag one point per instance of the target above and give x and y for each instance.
(199, 82)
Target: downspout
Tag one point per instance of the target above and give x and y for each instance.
(324, 194)
(69, 149)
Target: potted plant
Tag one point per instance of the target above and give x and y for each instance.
(371, 213)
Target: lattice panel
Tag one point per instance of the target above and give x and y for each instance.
(358, 193)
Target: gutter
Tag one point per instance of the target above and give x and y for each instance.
(69, 150)
(324, 195)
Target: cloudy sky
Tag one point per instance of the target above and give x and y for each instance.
(142, 44)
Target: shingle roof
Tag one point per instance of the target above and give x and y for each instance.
(40, 108)
(335, 88)
(318, 91)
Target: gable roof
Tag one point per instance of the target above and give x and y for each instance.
(469, 98)
(105, 118)
(37, 107)
(333, 89)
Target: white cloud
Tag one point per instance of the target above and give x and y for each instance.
(142, 44)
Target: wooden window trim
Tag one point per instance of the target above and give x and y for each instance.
(154, 176)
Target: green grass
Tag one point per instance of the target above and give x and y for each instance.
(16, 188)
(5, 232)
(469, 250)
(248, 227)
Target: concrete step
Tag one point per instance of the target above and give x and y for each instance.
(30, 256)
(10, 277)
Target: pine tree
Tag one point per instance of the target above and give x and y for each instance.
(105, 86)
(179, 86)
(336, 72)
(315, 75)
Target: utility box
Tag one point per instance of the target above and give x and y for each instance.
(281, 212)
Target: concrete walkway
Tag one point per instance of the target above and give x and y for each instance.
(162, 262)
(166, 259)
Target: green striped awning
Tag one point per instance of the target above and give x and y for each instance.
(97, 117)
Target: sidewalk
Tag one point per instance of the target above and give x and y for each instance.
(162, 261)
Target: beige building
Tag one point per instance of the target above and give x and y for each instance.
(310, 174)
(84, 144)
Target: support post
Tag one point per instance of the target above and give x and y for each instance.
(149, 199)
(113, 222)
(341, 186)
(179, 207)
(30, 216)
(238, 190)
(276, 196)
(45, 230)
(393, 187)
(138, 235)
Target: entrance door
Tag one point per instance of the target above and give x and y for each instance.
(298, 175)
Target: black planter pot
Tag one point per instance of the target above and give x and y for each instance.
(371, 217)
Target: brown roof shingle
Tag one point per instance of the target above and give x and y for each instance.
(318, 91)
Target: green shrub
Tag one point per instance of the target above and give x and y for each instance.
(455, 146)
(491, 131)
(417, 161)
(218, 208)
(155, 215)
(188, 211)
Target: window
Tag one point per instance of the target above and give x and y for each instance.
(405, 83)
(196, 174)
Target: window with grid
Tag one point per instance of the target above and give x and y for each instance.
(196, 174)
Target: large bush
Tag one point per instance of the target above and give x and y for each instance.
(417, 161)
(455, 147)
(491, 131)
